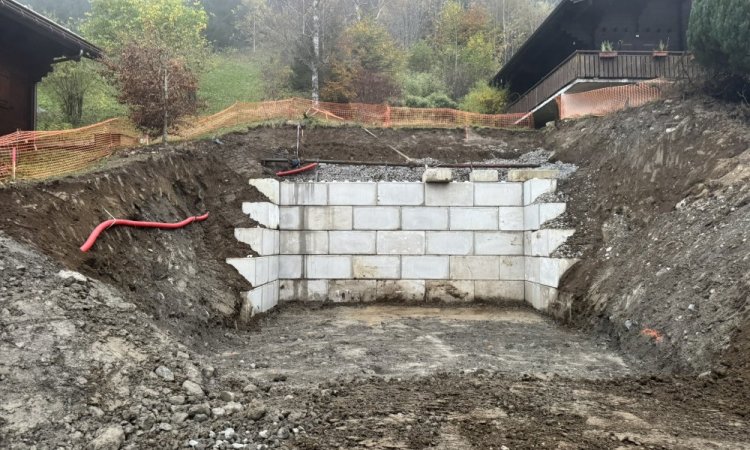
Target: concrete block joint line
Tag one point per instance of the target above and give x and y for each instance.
(440, 240)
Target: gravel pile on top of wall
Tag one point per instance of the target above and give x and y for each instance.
(341, 172)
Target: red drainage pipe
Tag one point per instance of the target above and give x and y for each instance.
(134, 223)
(296, 171)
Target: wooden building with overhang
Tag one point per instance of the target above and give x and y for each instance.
(29, 45)
(564, 55)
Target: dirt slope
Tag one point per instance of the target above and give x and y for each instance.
(662, 206)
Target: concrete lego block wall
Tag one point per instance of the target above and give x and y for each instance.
(442, 241)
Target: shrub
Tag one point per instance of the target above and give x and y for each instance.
(423, 84)
(441, 100)
(413, 101)
(421, 57)
(484, 99)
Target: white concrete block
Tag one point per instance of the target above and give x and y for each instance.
(351, 242)
(475, 268)
(424, 218)
(449, 194)
(425, 267)
(474, 218)
(498, 291)
(532, 269)
(352, 291)
(303, 290)
(290, 217)
(484, 176)
(401, 290)
(328, 267)
(498, 194)
(257, 271)
(511, 218)
(304, 242)
(545, 242)
(401, 242)
(437, 175)
(289, 290)
(529, 174)
(539, 296)
(352, 194)
(304, 194)
(398, 194)
(268, 187)
(498, 243)
(270, 296)
(376, 267)
(321, 218)
(533, 189)
(290, 266)
(377, 218)
(252, 304)
(450, 242)
(538, 214)
(551, 270)
(265, 213)
(449, 291)
(512, 268)
(263, 241)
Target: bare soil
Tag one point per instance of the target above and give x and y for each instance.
(144, 352)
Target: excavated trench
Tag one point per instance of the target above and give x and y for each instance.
(152, 349)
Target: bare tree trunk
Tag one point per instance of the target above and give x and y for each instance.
(165, 136)
(316, 53)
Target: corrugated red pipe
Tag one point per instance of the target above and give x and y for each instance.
(296, 171)
(134, 223)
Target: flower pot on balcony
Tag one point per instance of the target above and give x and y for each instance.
(607, 55)
(660, 53)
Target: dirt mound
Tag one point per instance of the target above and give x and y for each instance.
(662, 207)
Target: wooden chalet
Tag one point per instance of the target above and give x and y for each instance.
(564, 55)
(29, 45)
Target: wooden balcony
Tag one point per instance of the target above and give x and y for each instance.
(588, 65)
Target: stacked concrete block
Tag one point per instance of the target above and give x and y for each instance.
(265, 213)
(442, 240)
(263, 241)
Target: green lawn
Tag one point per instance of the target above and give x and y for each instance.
(231, 77)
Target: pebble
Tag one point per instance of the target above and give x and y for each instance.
(164, 373)
(229, 433)
(218, 412)
(234, 407)
(250, 388)
(256, 410)
(165, 426)
(264, 434)
(226, 396)
(283, 433)
(110, 438)
(193, 388)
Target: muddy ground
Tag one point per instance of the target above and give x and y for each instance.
(144, 351)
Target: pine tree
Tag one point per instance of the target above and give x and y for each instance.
(719, 34)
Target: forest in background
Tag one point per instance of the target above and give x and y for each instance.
(417, 53)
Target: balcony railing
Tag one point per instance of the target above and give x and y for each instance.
(590, 65)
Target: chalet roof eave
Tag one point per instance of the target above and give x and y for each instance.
(72, 40)
(518, 56)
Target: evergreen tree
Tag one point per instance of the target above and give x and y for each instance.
(719, 34)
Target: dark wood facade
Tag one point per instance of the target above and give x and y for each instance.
(587, 65)
(29, 45)
(566, 47)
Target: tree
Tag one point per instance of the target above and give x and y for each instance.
(365, 67)
(175, 25)
(158, 88)
(718, 34)
(68, 84)
(224, 17)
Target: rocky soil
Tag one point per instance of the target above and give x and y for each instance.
(661, 204)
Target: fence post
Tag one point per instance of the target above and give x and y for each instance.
(13, 158)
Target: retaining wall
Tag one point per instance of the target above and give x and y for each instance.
(359, 242)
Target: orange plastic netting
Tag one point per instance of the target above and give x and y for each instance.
(601, 102)
(46, 154)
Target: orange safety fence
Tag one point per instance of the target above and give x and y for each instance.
(45, 154)
(601, 102)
